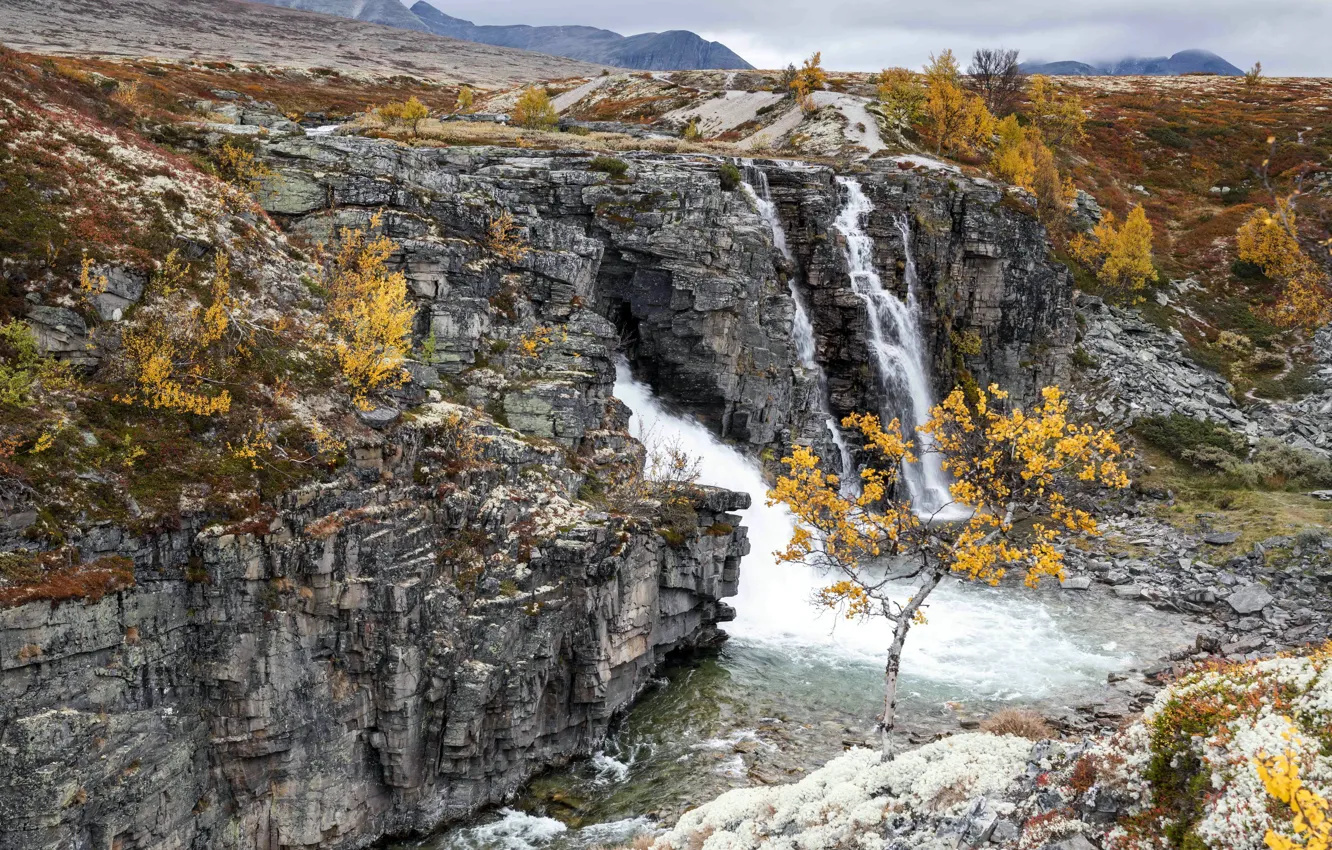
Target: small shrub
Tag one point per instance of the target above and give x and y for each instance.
(730, 177)
(1171, 137)
(609, 165)
(720, 529)
(1019, 722)
(1083, 361)
(1178, 435)
(534, 110)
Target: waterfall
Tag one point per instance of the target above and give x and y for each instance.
(802, 328)
(895, 345)
(980, 639)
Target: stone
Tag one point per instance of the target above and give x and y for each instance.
(1221, 538)
(1076, 583)
(1249, 599)
(379, 417)
(1129, 591)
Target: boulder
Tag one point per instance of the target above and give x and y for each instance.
(1249, 599)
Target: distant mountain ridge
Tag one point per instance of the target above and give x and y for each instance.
(1183, 62)
(675, 50)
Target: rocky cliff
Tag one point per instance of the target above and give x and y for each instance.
(471, 598)
(376, 655)
(996, 308)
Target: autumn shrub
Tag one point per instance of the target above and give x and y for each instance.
(1017, 721)
(1120, 255)
(369, 314)
(173, 350)
(235, 163)
(503, 239)
(1268, 240)
(86, 582)
(534, 110)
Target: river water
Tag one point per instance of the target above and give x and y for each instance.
(793, 687)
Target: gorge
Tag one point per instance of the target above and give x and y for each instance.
(375, 621)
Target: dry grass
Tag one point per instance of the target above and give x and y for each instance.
(83, 582)
(1017, 721)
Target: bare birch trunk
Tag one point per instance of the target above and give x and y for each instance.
(888, 720)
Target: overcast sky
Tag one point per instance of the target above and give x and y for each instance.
(1290, 37)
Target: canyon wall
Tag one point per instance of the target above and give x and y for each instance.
(465, 602)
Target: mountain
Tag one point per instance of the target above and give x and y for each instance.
(1183, 62)
(676, 50)
(390, 13)
(245, 33)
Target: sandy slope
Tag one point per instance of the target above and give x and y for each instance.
(238, 32)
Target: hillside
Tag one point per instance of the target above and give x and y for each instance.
(239, 33)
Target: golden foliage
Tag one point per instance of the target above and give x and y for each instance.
(808, 79)
(1008, 467)
(408, 113)
(902, 96)
(253, 446)
(531, 344)
(89, 283)
(238, 166)
(369, 314)
(534, 110)
(1311, 814)
(503, 240)
(955, 117)
(1122, 256)
(1268, 240)
(1023, 159)
(170, 353)
(1058, 115)
(466, 99)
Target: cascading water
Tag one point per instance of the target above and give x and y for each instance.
(794, 683)
(802, 327)
(895, 344)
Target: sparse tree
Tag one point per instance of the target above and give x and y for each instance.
(1253, 77)
(1269, 239)
(902, 96)
(788, 78)
(1023, 159)
(957, 119)
(534, 110)
(1016, 471)
(811, 71)
(413, 113)
(1121, 255)
(997, 77)
(1058, 115)
(466, 98)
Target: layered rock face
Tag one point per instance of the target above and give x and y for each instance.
(995, 308)
(682, 268)
(374, 656)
